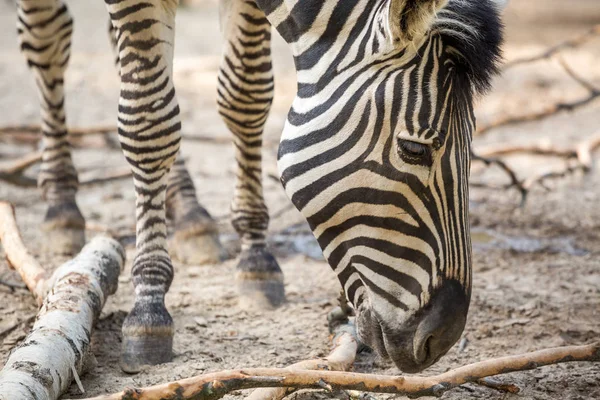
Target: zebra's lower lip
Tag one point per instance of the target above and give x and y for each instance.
(370, 332)
(397, 347)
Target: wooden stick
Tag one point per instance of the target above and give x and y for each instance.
(541, 150)
(52, 355)
(581, 153)
(514, 180)
(593, 92)
(341, 358)
(537, 116)
(89, 179)
(568, 44)
(97, 177)
(106, 129)
(73, 131)
(216, 385)
(17, 255)
(21, 164)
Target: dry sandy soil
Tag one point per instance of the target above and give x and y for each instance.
(536, 269)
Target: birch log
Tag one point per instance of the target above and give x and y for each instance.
(43, 366)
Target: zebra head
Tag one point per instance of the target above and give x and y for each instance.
(376, 155)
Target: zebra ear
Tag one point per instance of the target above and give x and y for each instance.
(409, 20)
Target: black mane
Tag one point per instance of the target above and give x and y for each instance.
(474, 29)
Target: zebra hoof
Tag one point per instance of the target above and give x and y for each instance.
(147, 338)
(259, 280)
(64, 228)
(197, 245)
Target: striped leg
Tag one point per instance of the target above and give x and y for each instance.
(149, 131)
(195, 238)
(245, 93)
(44, 29)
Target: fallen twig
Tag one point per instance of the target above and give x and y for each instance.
(512, 175)
(73, 131)
(52, 355)
(341, 358)
(501, 386)
(102, 130)
(593, 91)
(32, 273)
(91, 178)
(21, 164)
(578, 157)
(94, 178)
(549, 53)
(216, 385)
(539, 115)
(12, 285)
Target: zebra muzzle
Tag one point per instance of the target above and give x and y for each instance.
(425, 337)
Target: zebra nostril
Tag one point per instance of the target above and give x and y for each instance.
(441, 324)
(423, 350)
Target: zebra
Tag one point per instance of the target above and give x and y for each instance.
(375, 154)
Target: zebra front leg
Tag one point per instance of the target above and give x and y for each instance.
(195, 238)
(44, 29)
(149, 131)
(245, 93)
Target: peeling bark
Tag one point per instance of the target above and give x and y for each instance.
(43, 366)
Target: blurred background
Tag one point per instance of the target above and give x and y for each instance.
(536, 233)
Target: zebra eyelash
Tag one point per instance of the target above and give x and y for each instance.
(414, 153)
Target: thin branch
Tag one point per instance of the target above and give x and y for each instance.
(114, 174)
(579, 158)
(539, 150)
(539, 115)
(593, 92)
(73, 131)
(569, 44)
(107, 129)
(542, 178)
(501, 386)
(17, 255)
(341, 358)
(12, 285)
(514, 180)
(21, 164)
(92, 178)
(577, 78)
(216, 385)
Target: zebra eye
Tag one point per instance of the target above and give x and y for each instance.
(414, 152)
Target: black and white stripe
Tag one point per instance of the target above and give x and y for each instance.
(375, 151)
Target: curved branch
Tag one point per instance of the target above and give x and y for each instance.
(32, 273)
(568, 44)
(215, 385)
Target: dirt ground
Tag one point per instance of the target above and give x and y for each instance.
(536, 269)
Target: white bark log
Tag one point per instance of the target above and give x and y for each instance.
(43, 366)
